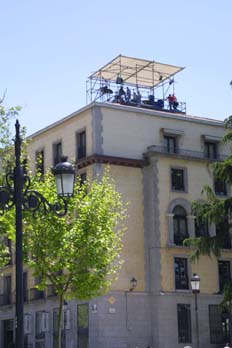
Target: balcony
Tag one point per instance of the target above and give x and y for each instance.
(185, 154)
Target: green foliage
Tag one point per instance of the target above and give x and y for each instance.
(79, 254)
(7, 115)
(213, 209)
(85, 244)
(227, 299)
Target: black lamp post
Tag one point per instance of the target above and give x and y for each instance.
(195, 283)
(17, 192)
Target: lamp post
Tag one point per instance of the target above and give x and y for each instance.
(17, 192)
(195, 284)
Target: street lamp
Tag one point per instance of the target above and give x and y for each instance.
(17, 193)
(133, 284)
(195, 284)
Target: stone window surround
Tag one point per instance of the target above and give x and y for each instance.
(79, 131)
(182, 256)
(190, 220)
(228, 260)
(54, 148)
(228, 189)
(174, 133)
(185, 171)
(207, 138)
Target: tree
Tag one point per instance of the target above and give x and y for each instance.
(213, 209)
(6, 117)
(79, 254)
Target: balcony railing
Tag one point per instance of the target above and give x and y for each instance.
(186, 153)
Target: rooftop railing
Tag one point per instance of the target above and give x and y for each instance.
(156, 104)
(187, 153)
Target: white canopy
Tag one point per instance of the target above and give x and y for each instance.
(136, 71)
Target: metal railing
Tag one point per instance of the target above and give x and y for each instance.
(186, 153)
(157, 104)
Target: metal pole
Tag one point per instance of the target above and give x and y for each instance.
(18, 195)
(230, 322)
(197, 324)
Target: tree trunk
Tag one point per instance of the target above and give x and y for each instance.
(60, 320)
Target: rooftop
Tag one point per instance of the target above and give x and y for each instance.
(163, 113)
(136, 82)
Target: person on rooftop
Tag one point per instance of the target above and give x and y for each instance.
(128, 94)
(172, 100)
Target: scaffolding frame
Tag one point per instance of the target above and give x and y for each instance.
(150, 78)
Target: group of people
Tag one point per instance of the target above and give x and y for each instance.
(126, 96)
(172, 100)
(122, 96)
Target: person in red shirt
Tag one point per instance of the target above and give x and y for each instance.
(172, 102)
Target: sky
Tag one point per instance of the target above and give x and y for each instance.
(50, 47)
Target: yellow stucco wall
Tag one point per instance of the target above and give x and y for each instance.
(65, 132)
(129, 184)
(128, 133)
(198, 175)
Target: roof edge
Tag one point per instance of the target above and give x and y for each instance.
(189, 118)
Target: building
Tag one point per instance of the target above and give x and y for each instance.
(159, 157)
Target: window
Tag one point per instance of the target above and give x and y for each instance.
(40, 162)
(201, 228)
(184, 323)
(180, 226)
(6, 297)
(220, 187)
(210, 150)
(25, 297)
(81, 145)
(218, 325)
(36, 294)
(8, 243)
(39, 333)
(83, 325)
(181, 273)
(57, 153)
(83, 178)
(177, 179)
(223, 234)
(170, 144)
(223, 273)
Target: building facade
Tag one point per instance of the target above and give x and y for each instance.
(160, 161)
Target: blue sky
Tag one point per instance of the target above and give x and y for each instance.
(49, 48)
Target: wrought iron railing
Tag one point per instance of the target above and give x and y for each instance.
(186, 153)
